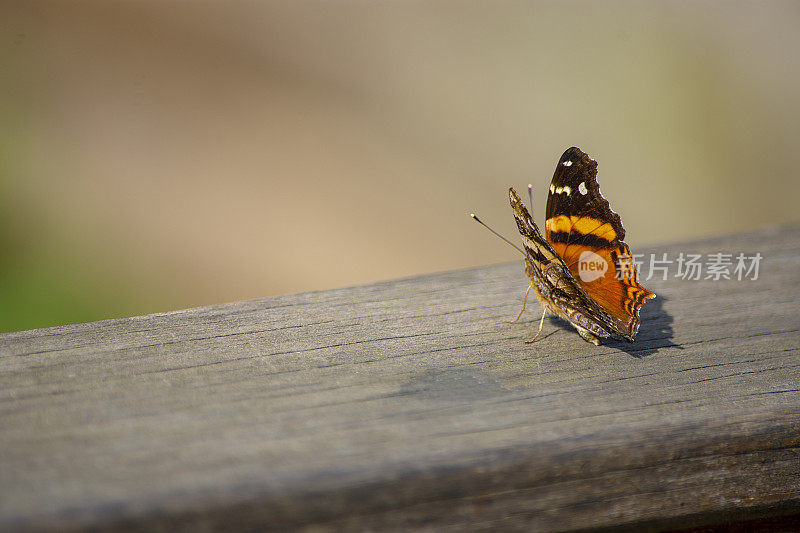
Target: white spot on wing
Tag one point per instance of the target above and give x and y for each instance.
(567, 163)
(552, 188)
(566, 190)
(582, 188)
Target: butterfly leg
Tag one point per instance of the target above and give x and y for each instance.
(541, 322)
(523, 305)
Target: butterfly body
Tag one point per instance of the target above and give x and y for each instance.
(581, 270)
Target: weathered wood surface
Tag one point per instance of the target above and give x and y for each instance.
(411, 404)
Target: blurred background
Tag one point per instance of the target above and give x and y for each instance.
(164, 155)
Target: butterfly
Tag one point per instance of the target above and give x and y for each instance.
(581, 270)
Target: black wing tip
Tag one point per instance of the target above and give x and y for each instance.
(576, 154)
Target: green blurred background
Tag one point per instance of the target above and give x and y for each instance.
(163, 155)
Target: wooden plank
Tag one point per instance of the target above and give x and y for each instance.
(411, 404)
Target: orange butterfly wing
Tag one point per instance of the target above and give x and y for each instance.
(587, 235)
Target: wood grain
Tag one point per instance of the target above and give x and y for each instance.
(412, 404)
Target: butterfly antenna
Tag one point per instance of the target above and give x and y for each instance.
(530, 196)
(479, 221)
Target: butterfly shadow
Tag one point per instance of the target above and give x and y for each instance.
(655, 332)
